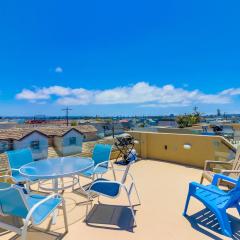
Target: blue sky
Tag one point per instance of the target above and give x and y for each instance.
(119, 57)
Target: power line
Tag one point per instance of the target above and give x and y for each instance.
(67, 109)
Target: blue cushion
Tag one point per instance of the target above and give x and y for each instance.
(107, 188)
(11, 202)
(18, 158)
(42, 212)
(101, 153)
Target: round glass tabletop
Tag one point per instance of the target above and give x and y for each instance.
(56, 167)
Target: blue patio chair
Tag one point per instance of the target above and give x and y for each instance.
(112, 189)
(17, 159)
(101, 157)
(31, 208)
(216, 200)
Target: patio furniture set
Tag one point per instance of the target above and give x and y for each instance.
(18, 200)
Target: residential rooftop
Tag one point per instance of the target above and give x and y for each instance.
(162, 177)
(19, 133)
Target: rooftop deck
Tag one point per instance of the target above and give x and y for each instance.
(163, 187)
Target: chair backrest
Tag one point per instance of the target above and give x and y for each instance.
(236, 163)
(18, 158)
(101, 153)
(12, 201)
(234, 195)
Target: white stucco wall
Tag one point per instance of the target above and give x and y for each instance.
(72, 149)
(62, 144)
(40, 153)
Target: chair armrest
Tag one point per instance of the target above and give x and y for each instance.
(218, 177)
(18, 170)
(209, 162)
(226, 172)
(31, 211)
(194, 185)
(216, 170)
(101, 163)
(123, 170)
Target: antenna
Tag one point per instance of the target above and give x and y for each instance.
(67, 109)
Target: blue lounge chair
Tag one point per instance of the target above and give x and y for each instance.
(31, 208)
(101, 157)
(216, 200)
(112, 189)
(17, 159)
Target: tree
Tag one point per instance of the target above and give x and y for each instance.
(74, 123)
(188, 120)
(182, 121)
(197, 115)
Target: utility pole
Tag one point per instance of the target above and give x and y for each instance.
(195, 109)
(113, 129)
(67, 109)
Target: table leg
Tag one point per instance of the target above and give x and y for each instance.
(55, 213)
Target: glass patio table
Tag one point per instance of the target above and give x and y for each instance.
(55, 169)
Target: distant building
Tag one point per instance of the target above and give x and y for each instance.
(127, 123)
(36, 141)
(16, 139)
(151, 122)
(69, 143)
(104, 128)
(100, 126)
(7, 125)
(65, 140)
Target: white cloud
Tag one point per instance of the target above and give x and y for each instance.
(32, 95)
(142, 94)
(231, 91)
(58, 69)
(43, 93)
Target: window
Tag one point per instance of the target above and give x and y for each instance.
(72, 141)
(35, 145)
(4, 146)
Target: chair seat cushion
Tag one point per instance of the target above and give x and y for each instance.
(98, 170)
(105, 187)
(42, 212)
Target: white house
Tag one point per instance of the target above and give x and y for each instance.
(69, 142)
(65, 140)
(36, 141)
(17, 138)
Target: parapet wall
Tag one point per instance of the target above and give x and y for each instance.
(187, 149)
